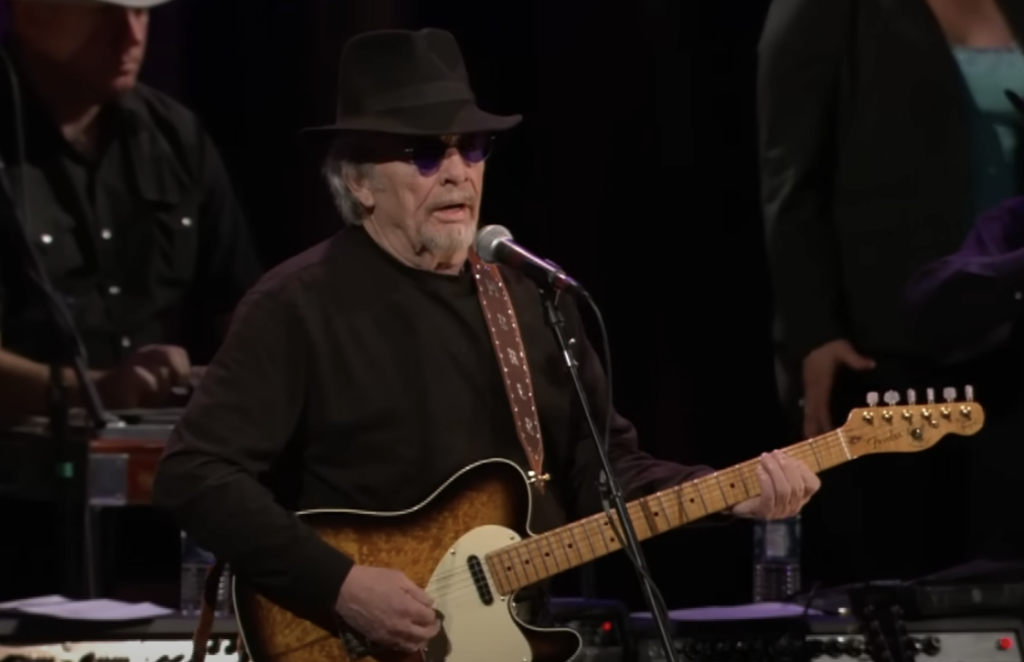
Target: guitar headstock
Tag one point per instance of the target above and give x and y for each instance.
(892, 427)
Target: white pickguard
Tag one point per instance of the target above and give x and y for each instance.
(477, 631)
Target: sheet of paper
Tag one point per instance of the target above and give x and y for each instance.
(758, 610)
(41, 601)
(55, 606)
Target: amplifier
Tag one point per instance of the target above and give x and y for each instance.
(834, 639)
(604, 626)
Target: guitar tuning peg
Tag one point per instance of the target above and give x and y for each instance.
(930, 395)
(872, 399)
(891, 398)
(911, 397)
(949, 394)
(969, 393)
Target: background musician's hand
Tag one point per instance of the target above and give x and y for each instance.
(388, 608)
(786, 485)
(145, 378)
(819, 374)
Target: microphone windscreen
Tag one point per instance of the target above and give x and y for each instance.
(488, 238)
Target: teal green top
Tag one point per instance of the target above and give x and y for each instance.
(994, 123)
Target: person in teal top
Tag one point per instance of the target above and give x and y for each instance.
(885, 130)
(994, 123)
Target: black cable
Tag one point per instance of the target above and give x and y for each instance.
(38, 276)
(809, 600)
(606, 352)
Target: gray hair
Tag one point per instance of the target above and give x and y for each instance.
(335, 167)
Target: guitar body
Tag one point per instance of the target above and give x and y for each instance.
(481, 509)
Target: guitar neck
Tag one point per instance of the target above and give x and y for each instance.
(535, 559)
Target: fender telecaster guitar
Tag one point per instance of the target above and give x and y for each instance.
(470, 546)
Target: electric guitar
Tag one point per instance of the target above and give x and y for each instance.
(470, 546)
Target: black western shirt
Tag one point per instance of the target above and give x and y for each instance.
(145, 241)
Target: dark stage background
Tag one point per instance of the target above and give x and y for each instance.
(635, 169)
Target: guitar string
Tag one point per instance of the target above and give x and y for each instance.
(449, 583)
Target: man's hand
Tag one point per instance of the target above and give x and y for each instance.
(145, 378)
(388, 608)
(819, 373)
(786, 485)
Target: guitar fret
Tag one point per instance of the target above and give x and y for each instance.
(669, 520)
(523, 563)
(545, 548)
(608, 536)
(721, 490)
(590, 541)
(499, 562)
(533, 548)
(652, 525)
(735, 494)
(817, 460)
(574, 544)
(698, 487)
(743, 483)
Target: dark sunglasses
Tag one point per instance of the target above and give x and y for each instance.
(427, 154)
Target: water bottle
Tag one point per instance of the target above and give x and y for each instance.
(195, 565)
(776, 559)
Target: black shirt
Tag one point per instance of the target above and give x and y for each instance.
(349, 380)
(140, 239)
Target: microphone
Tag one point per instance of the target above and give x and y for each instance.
(494, 244)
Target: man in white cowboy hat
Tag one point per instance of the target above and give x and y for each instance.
(133, 217)
(369, 370)
(128, 202)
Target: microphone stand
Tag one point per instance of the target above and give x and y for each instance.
(608, 484)
(72, 455)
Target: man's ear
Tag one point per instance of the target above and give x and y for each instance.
(358, 181)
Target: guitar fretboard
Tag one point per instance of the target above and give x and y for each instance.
(535, 559)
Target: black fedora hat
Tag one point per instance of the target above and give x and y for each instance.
(409, 83)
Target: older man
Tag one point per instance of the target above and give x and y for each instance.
(128, 204)
(363, 374)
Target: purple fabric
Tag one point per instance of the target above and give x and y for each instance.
(961, 302)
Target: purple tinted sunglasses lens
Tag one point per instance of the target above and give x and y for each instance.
(427, 156)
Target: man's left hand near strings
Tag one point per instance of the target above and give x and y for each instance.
(787, 485)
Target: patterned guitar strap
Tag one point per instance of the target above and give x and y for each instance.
(508, 346)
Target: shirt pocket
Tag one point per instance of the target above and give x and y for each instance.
(61, 245)
(175, 244)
